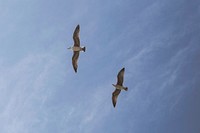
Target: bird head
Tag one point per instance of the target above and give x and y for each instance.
(114, 85)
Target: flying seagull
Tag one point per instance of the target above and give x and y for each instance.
(76, 48)
(119, 86)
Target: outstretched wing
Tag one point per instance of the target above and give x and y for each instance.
(120, 77)
(114, 96)
(75, 60)
(76, 36)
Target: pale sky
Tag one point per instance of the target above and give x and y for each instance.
(157, 41)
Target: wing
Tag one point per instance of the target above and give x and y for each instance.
(114, 96)
(120, 77)
(76, 36)
(75, 60)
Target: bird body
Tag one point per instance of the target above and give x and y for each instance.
(75, 48)
(119, 87)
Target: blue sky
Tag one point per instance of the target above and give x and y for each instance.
(157, 41)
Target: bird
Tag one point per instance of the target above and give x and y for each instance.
(119, 86)
(76, 48)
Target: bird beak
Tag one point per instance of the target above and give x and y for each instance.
(69, 48)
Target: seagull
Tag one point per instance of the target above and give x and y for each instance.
(119, 86)
(76, 48)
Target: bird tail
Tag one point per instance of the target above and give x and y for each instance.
(84, 48)
(126, 88)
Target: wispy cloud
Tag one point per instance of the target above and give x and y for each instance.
(24, 92)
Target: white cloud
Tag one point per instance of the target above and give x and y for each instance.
(25, 92)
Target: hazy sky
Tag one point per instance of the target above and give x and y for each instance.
(157, 41)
